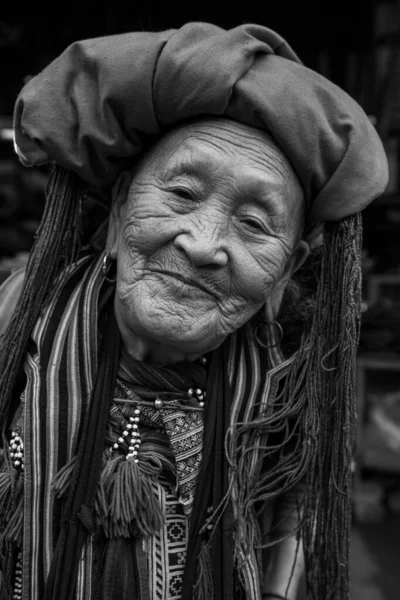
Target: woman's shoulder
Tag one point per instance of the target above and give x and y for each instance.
(10, 290)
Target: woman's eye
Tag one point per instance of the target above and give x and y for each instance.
(183, 193)
(254, 224)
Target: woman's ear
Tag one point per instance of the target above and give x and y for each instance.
(274, 300)
(119, 195)
(298, 258)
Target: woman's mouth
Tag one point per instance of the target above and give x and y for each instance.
(188, 281)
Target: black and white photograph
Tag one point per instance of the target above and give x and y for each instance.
(200, 300)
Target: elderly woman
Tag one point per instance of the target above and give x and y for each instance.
(157, 442)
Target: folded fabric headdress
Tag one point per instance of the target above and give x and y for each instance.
(89, 109)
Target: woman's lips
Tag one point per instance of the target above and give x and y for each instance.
(188, 281)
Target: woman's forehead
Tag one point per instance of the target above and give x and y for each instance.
(218, 141)
(219, 137)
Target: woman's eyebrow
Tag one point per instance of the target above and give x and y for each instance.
(265, 193)
(189, 165)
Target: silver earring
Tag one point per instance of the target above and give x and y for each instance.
(273, 330)
(108, 264)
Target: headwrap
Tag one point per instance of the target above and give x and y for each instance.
(91, 111)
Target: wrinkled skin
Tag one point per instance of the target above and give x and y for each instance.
(205, 232)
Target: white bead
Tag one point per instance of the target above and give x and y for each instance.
(125, 433)
(120, 439)
(115, 445)
(137, 411)
(17, 463)
(201, 404)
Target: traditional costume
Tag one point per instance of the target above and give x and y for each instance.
(118, 480)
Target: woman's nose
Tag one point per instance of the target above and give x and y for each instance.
(204, 246)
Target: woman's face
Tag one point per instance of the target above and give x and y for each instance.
(207, 233)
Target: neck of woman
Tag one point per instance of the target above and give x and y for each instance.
(154, 352)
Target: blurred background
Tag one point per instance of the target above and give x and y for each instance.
(356, 44)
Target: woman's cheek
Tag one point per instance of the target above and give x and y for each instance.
(257, 275)
(148, 234)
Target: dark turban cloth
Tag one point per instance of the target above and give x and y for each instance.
(88, 110)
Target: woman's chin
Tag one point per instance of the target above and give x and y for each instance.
(192, 330)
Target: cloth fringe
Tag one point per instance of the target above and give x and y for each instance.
(126, 504)
(204, 587)
(330, 388)
(62, 480)
(11, 505)
(56, 243)
(6, 495)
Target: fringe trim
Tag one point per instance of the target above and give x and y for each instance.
(62, 480)
(11, 507)
(125, 504)
(5, 495)
(204, 587)
(56, 244)
(330, 389)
